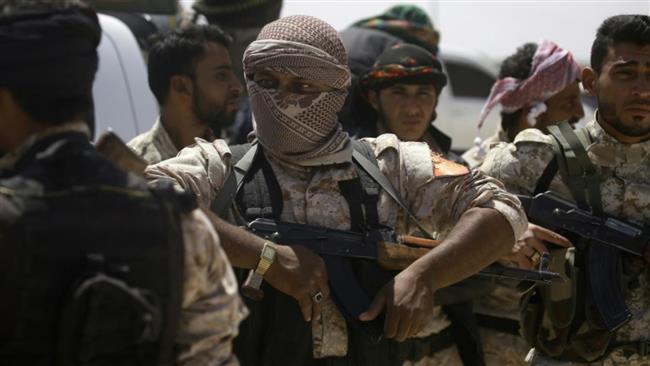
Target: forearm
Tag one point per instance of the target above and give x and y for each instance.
(481, 236)
(243, 248)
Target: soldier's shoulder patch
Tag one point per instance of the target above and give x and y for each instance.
(444, 168)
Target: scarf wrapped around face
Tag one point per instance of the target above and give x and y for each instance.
(553, 69)
(300, 128)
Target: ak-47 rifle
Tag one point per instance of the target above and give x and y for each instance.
(384, 246)
(603, 238)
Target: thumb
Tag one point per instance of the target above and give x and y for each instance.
(375, 308)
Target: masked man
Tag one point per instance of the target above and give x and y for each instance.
(297, 79)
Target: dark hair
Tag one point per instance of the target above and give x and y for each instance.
(177, 52)
(49, 105)
(619, 29)
(249, 16)
(52, 109)
(518, 66)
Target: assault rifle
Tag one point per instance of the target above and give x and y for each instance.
(384, 246)
(603, 239)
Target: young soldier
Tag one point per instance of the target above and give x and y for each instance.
(94, 266)
(566, 329)
(297, 78)
(191, 76)
(403, 86)
(537, 87)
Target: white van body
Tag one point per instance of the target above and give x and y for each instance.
(123, 101)
(470, 78)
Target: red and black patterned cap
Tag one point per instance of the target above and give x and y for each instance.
(405, 64)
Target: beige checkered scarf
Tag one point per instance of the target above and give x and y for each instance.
(300, 128)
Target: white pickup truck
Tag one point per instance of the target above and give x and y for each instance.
(123, 101)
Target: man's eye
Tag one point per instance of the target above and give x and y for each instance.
(305, 88)
(625, 74)
(267, 83)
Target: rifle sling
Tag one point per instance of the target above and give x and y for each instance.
(373, 171)
(234, 182)
(578, 172)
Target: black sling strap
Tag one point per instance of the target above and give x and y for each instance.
(234, 182)
(578, 172)
(373, 171)
(360, 156)
(547, 177)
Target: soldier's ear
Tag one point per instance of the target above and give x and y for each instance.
(181, 85)
(373, 99)
(589, 80)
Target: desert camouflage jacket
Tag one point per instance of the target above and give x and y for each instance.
(625, 191)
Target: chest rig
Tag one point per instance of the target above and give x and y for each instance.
(562, 319)
(255, 192)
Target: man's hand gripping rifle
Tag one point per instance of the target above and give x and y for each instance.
(389, 250)
(602, 240)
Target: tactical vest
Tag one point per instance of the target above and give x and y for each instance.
(275, 332)
(561, 320)
(91, 261)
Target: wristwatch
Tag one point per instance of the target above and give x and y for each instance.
(252, 286)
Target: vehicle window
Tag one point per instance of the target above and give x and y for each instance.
(468, 81)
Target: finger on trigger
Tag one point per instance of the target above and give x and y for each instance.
(324, 288)
(390, 325)
(403, 329)
(306, 308)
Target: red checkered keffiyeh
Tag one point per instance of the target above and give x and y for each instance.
(552, 70)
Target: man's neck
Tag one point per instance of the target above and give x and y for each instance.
(182, 130)
(625, 139)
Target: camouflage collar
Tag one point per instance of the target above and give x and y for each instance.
(609, 152)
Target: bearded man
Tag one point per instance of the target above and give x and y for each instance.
(538, 86)
(297, 79)
(191, 76)
(564, 323)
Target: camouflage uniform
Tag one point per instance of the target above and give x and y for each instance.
(475, 155)
(211, 306)
(500, 348)
(311, 196)
(154, 145)
(625, 193)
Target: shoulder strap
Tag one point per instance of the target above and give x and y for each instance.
(244, 155)
(365, 158)
(577, 171)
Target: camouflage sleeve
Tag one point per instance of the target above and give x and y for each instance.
(212, 308)
(439, 191)
(201, 168)
(520, 164)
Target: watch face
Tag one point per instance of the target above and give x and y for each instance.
(268, 253)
